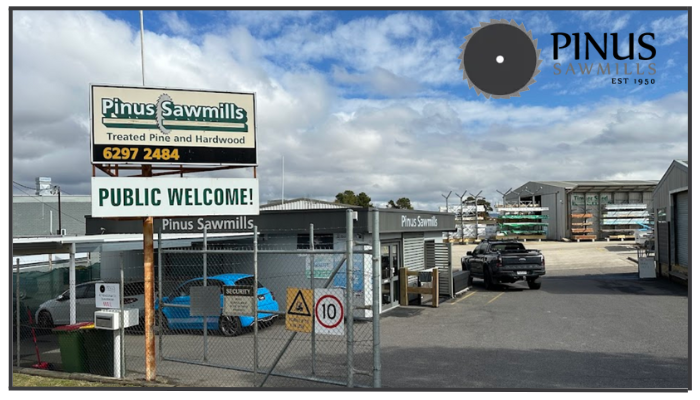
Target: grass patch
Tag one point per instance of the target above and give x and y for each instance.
(23, 380)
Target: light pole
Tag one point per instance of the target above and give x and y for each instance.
(476, 215)
(504, 195)
(57, 190)
(461, 213)
(447, 209)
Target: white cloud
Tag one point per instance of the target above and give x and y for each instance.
(378, 81)
(609, 21)
(417, 147)
(670, 30)
(175, 23)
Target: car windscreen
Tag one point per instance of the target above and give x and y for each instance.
(247, 281)
(506, 247)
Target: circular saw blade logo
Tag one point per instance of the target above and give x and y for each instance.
(500, 59)
(159, 112)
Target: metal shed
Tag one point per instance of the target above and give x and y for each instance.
(671, 208)
(595, 206)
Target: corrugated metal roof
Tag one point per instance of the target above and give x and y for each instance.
(614, 186)
(571, 184)
(303, 204)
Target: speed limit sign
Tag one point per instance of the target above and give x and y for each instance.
(329, 312)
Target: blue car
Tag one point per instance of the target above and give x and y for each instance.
(179, 317)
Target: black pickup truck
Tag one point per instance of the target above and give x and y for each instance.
(504, 261)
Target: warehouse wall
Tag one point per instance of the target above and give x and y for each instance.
(676, 177)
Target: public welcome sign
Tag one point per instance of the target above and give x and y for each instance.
(171, 197)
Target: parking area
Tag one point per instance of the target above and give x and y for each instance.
(574, 258)
(593, 324)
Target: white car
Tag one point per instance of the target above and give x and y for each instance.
(56, 312)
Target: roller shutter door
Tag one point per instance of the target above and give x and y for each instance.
(682, 228)
(439, 255)
(413, 258)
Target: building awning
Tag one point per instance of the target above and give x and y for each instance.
(92, 243)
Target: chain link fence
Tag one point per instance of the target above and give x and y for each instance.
(267, 351)
(199, 341)
(53, 326)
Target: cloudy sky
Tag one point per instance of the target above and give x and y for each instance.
(369, 101)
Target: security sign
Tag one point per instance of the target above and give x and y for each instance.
(299, 305)
(238, 300)
(329, 311)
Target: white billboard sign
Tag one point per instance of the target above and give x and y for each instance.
(173, 197)
(140, 125)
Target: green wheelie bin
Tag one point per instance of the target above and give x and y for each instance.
(99, 345)
(71, 343)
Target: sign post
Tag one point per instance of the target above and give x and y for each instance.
(161, 131)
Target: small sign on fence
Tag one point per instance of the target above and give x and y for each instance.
(107, 295)
(299, 306)
(329, 311)
(238, 300)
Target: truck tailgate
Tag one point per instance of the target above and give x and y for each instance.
(521, 261)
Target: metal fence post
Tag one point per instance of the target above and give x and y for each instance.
(71, 284)
(18, 312)
(160, 292)
(204, 272)
(255, 304)
(349, 294)
(122, 350)
(376, 301)
(313, 320)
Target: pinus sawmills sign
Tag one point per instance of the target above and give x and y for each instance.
(138, 125)
(168, 197)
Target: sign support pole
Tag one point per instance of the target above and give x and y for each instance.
(149, 305)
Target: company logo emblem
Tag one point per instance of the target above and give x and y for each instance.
(159, 112)
(102, 288)
(500, 59)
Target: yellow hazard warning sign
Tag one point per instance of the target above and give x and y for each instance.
(299, 316)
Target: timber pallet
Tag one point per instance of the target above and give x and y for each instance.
(579, 238)
(619, 237)
(524, 238)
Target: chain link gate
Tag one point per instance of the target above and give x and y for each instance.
(259, 350)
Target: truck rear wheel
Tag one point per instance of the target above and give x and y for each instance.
(534, 284)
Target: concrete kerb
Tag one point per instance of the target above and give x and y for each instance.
(159, 383)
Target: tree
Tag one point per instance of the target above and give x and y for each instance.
(349, 197)
(402, 203)
(363, 200)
